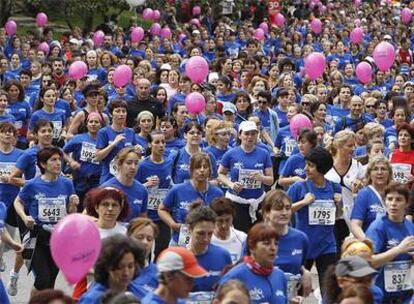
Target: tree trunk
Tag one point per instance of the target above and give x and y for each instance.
(5, 11)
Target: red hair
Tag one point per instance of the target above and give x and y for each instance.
(95, 196)
(260, 232)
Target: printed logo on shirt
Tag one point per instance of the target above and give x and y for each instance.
(279, 293)
(137, 202)
(299, 171)
(259, 165)
(185, 205)
(22, 110)
(256, 294)
(376, 209)
(392, 243)
(184, 167)
(238, 165)
(297, 251)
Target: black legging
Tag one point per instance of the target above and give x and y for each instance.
(44, 268)
(322, 264)
(163, 239)
(341, 231)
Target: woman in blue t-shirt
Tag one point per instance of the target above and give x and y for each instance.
(87, 170)
(45, 109)
(112, 139)
(266, 283)
(46, 199)
(173, 143)
(173, 210)
(155, 173)
(145, 123)
(293, 244)
(250, 169)
(201, 222)
(126, 169)
(369, 202)
(315, 202)
(393, 239)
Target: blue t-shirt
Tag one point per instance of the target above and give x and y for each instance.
(241, 164)
(97, 290)
(181, 170)
(147, 278)
(104, 138)
(7, 118)
(47, 201)
(8, 192)
(282, 116)
(346, 122)
(156, 195)
(292, 251)
(386, 234)
(262, 289)
(27, 163)
(317, 219)
(152, 298)
(368, 205)
(334, 114)
(294, 166)
(21, 112)
(213, 261)
(390, 136)
(180, 198)
(83, 149)
(137, 197)
(57, 118)
(172, 147)
(287, 145)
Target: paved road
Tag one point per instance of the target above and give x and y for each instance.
(25, 282)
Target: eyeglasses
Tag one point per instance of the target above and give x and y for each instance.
(261, 101)
(369, 106)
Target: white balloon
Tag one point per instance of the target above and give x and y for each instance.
(135, 2)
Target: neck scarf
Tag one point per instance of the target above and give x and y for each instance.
(256, 267)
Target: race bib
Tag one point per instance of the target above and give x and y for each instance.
(397, 276)
(200, 297)
(401, 172)
(156, 197)
(290, 145)
(293, 284)
(113, 168)
(18, 124)
(51, 209)
(184, 237)
(322, 212)
(6, 169)
(57, 129)
(88, 153)
(247, 181)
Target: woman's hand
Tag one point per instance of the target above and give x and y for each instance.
(74, 165)
(152, 181)
(119, 138)
(17, 247)
(29, 222)
(73, 203)
(337, 198)
(236, 187)
(407, 245)
(309, 198)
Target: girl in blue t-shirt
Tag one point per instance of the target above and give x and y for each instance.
(155, 173)
(369, 202)
(173, 143)
(145, 123)
(126, 169)
(46, 199)
(315, 202)
(201, 222)
(393, 239)
(110, 140)
(173, 210)
(45, 109)
(87, 170)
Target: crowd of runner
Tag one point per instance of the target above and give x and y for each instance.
(237, 203)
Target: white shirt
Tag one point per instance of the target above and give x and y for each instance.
(118, 228)
(234, 244)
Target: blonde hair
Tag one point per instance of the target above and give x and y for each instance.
(352, 246)
(217, 126)
(375, 161)
(372, 128)
(340, 139)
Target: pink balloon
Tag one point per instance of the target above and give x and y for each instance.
(406, 15)
(196, 11)
(155, 29)
(330, 5)
(165, 32)
(315, 65)
(364, 72)
(196, 69)
(181, 37)
(299, 122)
(384, 55)
(41, 19)
(195, 21)
(148, 14)
(78, 70)
(322, 9)
(357, 35)
(195, 103)
(357, 3)
(156, 15)
(44, 47)
(85, 245)
(259, 34)
(98, 38)
(316, 26)
(10, 28)
(264, 27)
(137, 34)
(122, 75)
(279, 20)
